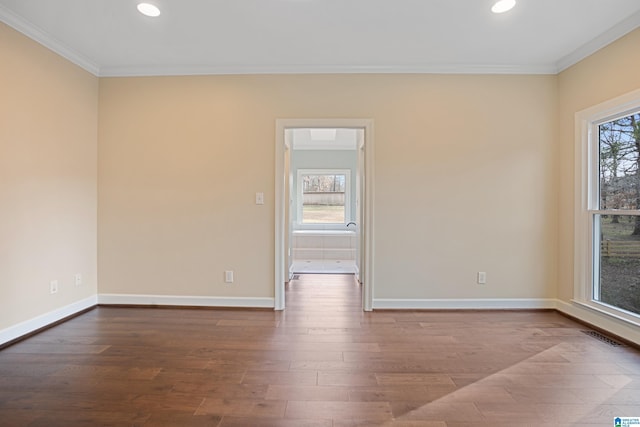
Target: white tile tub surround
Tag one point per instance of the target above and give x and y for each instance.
(324, 245)
(324, 250)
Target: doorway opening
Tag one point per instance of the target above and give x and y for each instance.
(323, 211)
(324, 201)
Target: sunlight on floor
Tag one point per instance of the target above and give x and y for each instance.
(324, 266)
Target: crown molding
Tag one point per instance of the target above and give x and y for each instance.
(28, 29)
(325, 69)
(614, 33)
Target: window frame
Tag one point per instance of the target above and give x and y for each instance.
(300, 199)
(587, 201)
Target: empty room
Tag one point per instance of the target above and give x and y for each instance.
(320, 213)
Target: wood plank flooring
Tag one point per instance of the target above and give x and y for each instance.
(320, 363)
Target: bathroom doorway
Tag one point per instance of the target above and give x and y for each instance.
(323, 211)
(324, 176)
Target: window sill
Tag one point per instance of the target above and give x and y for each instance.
(626, 317)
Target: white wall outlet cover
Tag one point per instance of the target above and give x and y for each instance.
(259, 198)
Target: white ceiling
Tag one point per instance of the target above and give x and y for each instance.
(111, 38)
(324, 138)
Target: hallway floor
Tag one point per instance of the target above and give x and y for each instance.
(324, 266)
(322, 362)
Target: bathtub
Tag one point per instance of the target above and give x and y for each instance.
(324, 245)
(324, 232)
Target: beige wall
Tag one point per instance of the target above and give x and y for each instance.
(610, 72)
(472, 173)
(48, 143)
(465, 170)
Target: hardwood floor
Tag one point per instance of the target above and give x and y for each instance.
(322, 362)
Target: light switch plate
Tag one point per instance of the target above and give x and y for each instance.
(482, 278)
(228, 276)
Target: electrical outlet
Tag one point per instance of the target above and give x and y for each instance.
(53, 287)
(482, 277)
(78, 279)
(228, 276)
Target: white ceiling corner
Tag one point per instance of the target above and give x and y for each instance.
(47, 40)
(600, 41)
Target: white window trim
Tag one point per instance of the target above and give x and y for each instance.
(586, 198)
(347, 199)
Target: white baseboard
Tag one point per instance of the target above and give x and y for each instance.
(194, 301)
(464, 304)
(606, 322)
(21, 329)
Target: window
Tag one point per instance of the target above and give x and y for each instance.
(323, 197)
(608, 213)
(617, 228)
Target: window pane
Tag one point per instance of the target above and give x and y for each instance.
(619, 262)
(323, 198)
(619, 163)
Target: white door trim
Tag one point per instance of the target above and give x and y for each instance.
(367, 226)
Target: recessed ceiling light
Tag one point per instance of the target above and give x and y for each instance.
(502, 6)
(148, 9)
